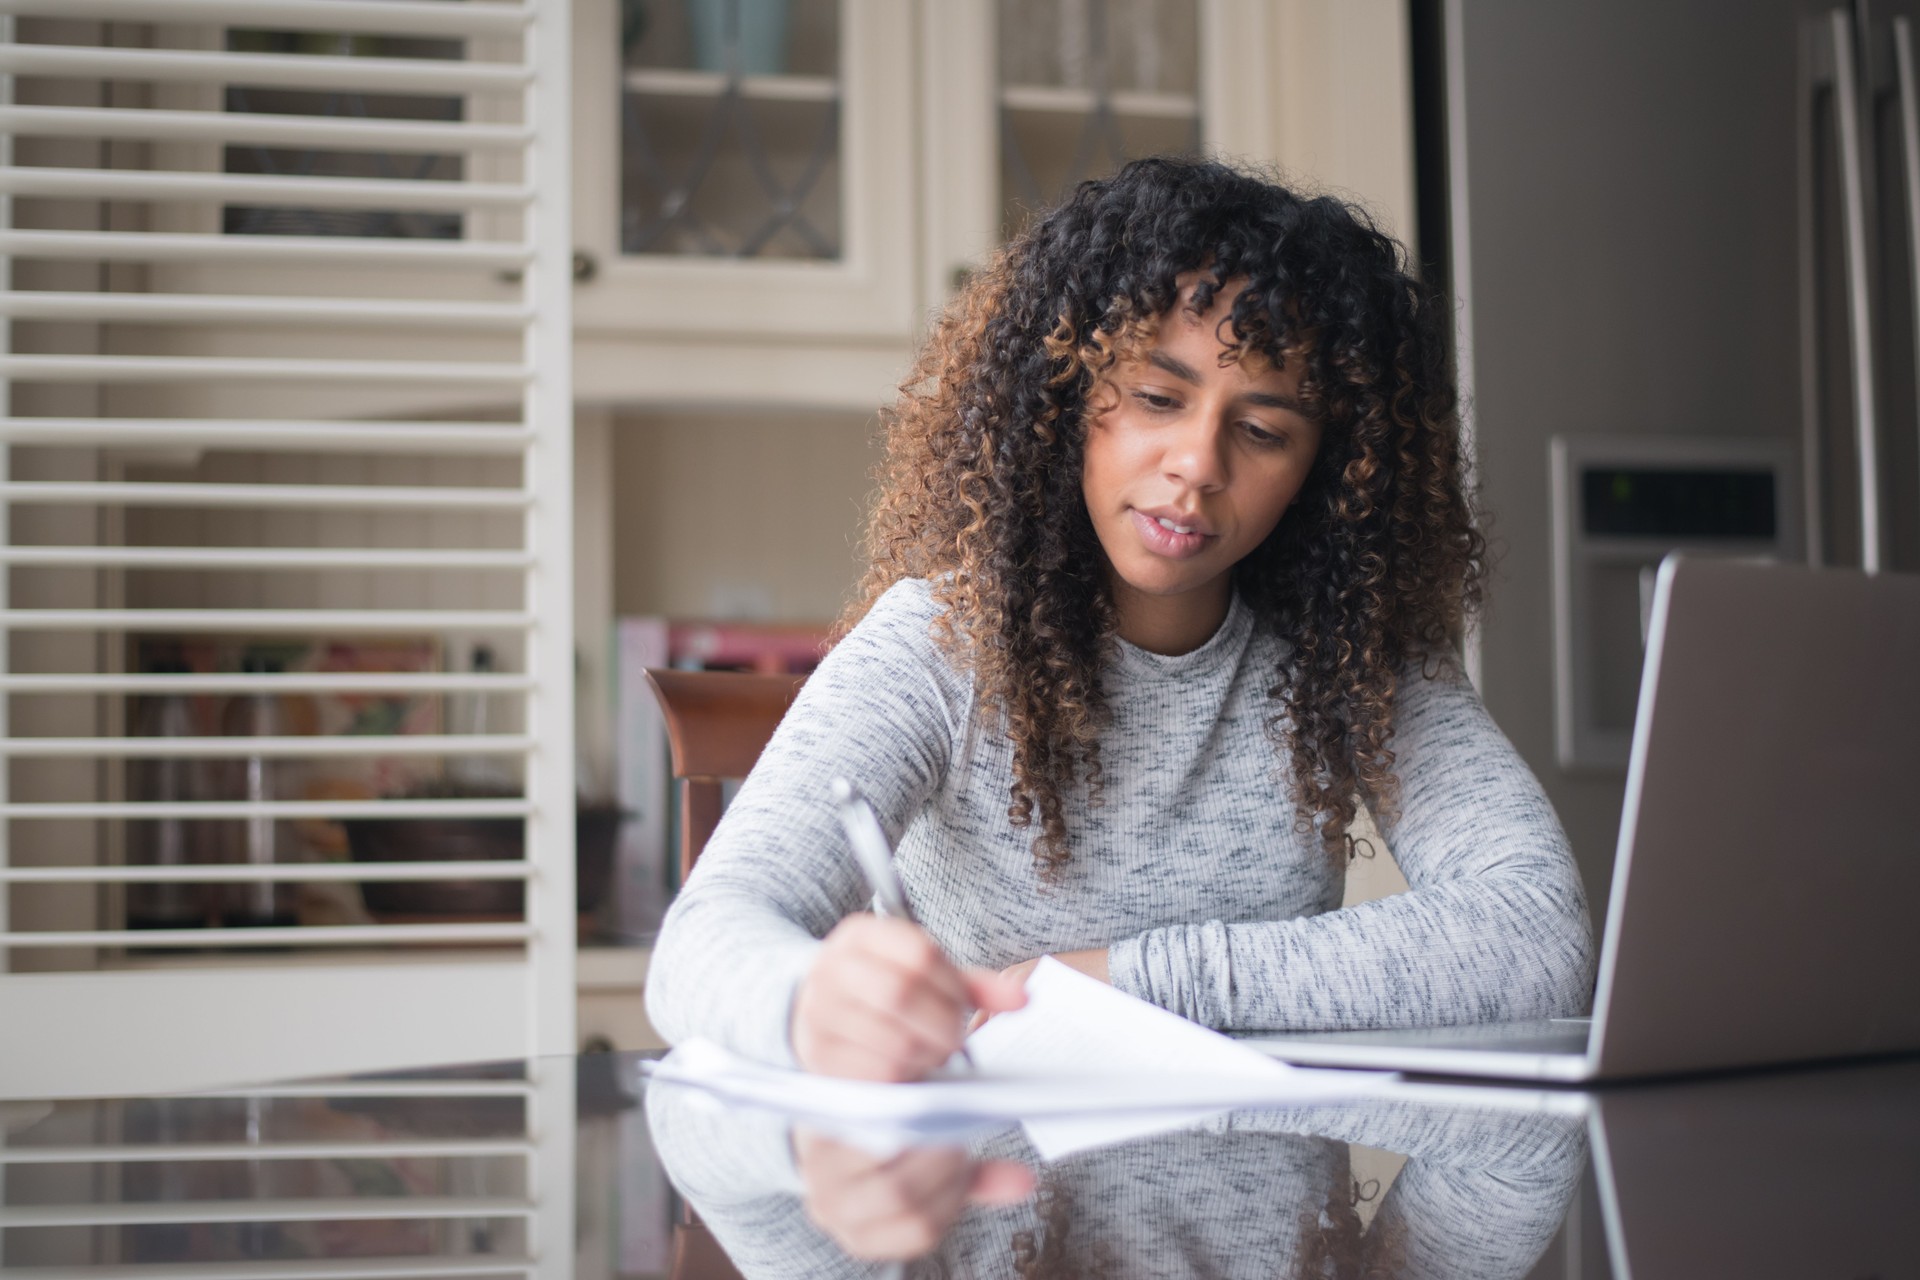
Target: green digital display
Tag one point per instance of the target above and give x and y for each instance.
(1682, 504)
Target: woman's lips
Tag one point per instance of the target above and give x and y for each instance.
(1164, 541)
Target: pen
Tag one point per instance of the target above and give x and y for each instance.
(875, 859)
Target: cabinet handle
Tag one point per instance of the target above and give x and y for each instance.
(585, 268)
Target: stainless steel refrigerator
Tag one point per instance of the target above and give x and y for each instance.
(1677, 218)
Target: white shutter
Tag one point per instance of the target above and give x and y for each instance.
(285, 287)
(435, 1174)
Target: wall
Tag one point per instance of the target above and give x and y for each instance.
(1630, 264)
(1345, 121)
(738, 515)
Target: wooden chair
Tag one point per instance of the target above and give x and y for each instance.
(717, 724)
(696, 1254)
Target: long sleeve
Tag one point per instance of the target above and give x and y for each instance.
(1494, 926)
(1192, 873)
(777, 875)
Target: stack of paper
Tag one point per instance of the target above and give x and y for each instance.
(1081, 1066)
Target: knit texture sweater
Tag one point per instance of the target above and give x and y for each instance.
(1194, 872)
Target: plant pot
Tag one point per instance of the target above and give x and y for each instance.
(429, 840)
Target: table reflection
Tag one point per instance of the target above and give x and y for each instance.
(432, 1171)
(1264, 1194)
(559, 1168)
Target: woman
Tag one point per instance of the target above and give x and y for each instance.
(1170, 554)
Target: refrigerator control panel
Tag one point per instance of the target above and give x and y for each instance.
(1620, 504)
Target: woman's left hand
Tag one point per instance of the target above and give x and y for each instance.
(1093, 963)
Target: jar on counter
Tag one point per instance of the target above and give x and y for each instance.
(256, 779)
(166, 842)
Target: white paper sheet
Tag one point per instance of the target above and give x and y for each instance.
(1081, 1066)
(1078, 1026)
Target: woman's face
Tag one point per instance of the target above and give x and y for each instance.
(1190, 469)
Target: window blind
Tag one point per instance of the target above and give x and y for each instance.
(284, 477)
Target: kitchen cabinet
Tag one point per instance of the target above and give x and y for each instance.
(744, 238)
(744, 204)
(779, 228)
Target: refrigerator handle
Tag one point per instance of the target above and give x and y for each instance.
(1815, 74)
(1910, 154)
(1853, 197)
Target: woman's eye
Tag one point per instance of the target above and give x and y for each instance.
(1260, 435)
(1154, 400)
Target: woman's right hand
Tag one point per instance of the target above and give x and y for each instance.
(891, 1208)
(883, 1003)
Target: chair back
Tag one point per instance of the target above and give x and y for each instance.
(717, 724)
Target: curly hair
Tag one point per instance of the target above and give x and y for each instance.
(1377, 563)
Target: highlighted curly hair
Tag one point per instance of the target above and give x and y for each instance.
(1377, 563)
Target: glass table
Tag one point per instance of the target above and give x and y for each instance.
(568, 1167)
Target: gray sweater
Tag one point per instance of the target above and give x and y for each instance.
(1191, 873)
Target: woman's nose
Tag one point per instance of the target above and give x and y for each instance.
(1196, 452)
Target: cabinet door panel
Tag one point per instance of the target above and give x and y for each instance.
(736, 194)
(1022, 99)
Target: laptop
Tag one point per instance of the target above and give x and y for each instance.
(1766, 887)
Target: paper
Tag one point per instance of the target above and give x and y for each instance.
(1082, 1065)
(1077, 1026)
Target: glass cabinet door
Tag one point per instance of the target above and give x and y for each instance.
(744, 167)
(730, 130)
(1032, 97)
(1086, 85)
